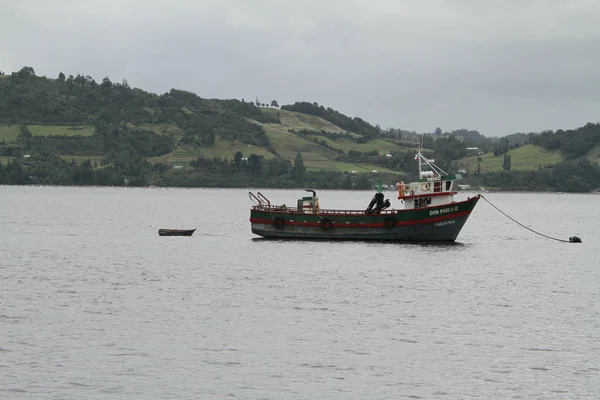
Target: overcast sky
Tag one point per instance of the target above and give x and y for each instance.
(499, 67)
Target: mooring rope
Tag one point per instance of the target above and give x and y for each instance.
(528, 228)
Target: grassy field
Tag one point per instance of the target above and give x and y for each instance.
(4, 160)
(409, 144)
(525, 158)
(9, 133)
(288, 144)
(315, 157)
(594, 154)
(298, 121)
(47, 130)
(223, 148)
(339, 166)
(382, 146)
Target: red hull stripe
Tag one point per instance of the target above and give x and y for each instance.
(369, 225)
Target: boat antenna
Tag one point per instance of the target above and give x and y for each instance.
(420, 152)
(422, 159)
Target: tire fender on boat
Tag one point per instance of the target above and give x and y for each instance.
(278, 222)
(425, 186)
(326, 224)
(389, 222)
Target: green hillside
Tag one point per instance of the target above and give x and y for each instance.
(130, 134)
(73, 108)
(298, 121)
(285, 144)
(526, 158)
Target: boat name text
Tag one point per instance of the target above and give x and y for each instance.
(443, 210)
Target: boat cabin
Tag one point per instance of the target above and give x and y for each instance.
(433, 188)
(309, 205)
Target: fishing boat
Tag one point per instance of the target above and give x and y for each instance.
(427, 212)
(176, 232)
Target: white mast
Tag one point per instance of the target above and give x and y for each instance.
(419, 152)
(431, 163)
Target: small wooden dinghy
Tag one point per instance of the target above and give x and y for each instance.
(176, 232)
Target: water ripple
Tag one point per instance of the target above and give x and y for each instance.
(115, 311)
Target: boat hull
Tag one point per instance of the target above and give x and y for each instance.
(432, 224)
(176, 232)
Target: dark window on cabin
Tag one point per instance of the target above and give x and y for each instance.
(422, 202)
(448, 184)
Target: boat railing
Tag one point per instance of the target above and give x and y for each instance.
(261, 196)
(255, 199)
(328, 212)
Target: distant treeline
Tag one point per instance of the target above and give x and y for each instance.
(570, 176)
(251, 171)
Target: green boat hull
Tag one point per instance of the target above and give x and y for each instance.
(432, 224)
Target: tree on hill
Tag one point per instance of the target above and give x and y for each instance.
(237, 159)
(24, 72)
(61, 77)
(502, 147)
(506, 162)
(438, 131)
(473, 136)
(298, 169)
(255, 163)
(106, 83)
(274, 103)
(25, 138)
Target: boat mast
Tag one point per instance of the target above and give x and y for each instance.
(430, 163)
(419, 153)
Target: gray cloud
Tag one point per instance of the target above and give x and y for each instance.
(496, 66)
